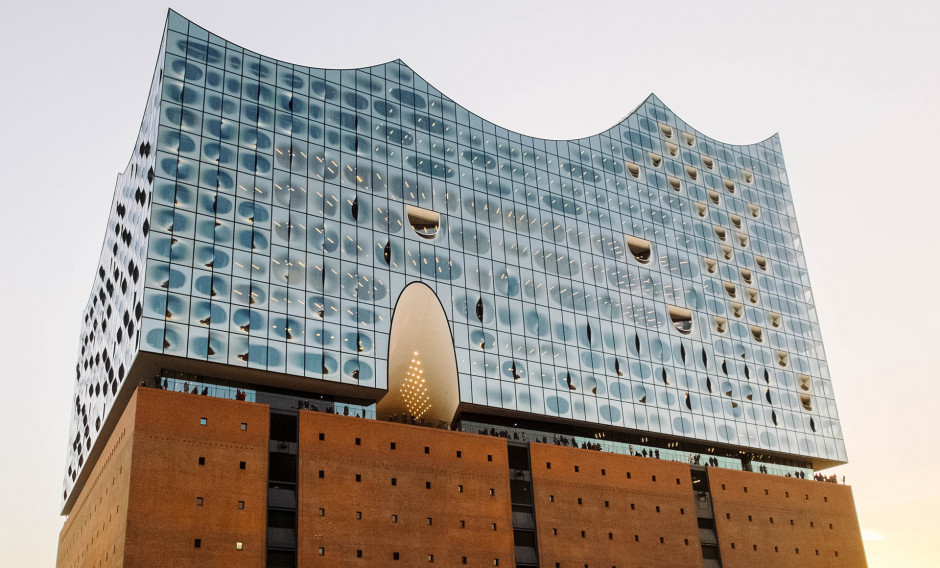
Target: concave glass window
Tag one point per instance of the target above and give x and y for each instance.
(633, 169)
(735, 220)
(689, 138)
(691, 172)
(807, 401)
(714, 196)
(757, 333)
(729, 185)
(640, 249)
(761, 262)
(709, 163)
(681, 318)
(702, 209)
(656, 159)
(425, 223)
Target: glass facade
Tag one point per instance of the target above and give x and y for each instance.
(647, 277)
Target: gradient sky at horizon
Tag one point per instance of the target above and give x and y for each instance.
(852, 87)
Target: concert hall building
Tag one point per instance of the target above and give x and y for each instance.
(340, 320)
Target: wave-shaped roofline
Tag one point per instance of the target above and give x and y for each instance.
(651, 100)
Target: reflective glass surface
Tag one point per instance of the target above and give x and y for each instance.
(647, 277)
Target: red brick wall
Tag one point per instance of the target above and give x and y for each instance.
(808, 516)
(612, 503)
(341, 533)
(163, 517)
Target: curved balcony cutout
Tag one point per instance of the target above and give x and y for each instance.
(753, 295)
(617, 368)
(755, 210)
(761, 262)
(807, 402)
(720, 232)
(746, 275)
(422, 364)
(689, 138)
(702, 209)
(681, 318)
(666, 130)
(480, 310)
(424, 222)
(773, 417)
(729, 185)
(731, 290)
(673, 148)
(691, 172)
(714, 196)
(748, 176)
(812, 423)
(735, 220)
(354, 209)
(742, 240)
(640, 249)
(737, 310)
(783, 359)
(711, 265)
(633, 169)
(387, 253)
(656, 159)
(805, 382)
(757, 333)
(721, 324)
(775, 319)
(709, 163)
(727, 252)
(675, 183)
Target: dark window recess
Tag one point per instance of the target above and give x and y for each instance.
(520, 492)
(278, 519)
(519, 458)
(358, 554)
(197, 543)
(284, 428)
(706, 524)
(524, 538)
(241, 465)
(358, 441)
(392, 445)
(283, 467)
(394, 481)
(281, 558)
(427, 449)
(202, 460)
(395, 556)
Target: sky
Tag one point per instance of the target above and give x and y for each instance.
(852, 88)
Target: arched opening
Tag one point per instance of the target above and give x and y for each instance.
(721, 324)
(422, 364)
(807, 402)
(757, 333)
(424, 222)
(681, 318)
(774, 319)
(640, 249)
(731, 290)
(805, 382)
